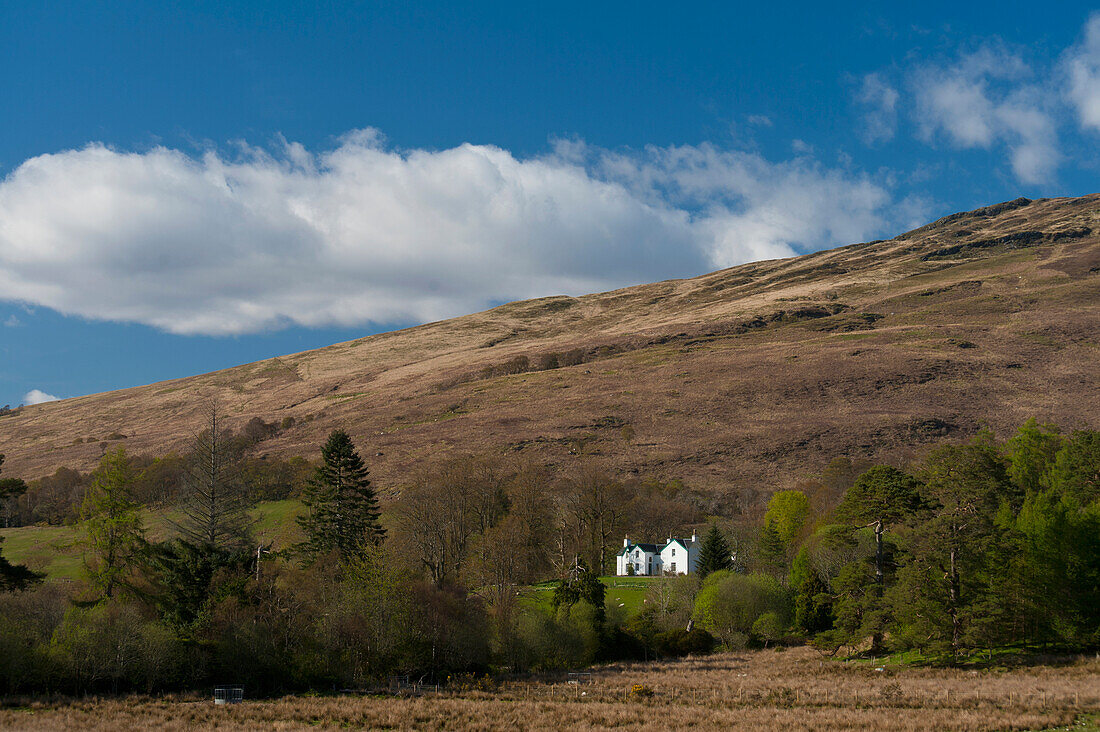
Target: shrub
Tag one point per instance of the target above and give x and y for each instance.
(730, 604)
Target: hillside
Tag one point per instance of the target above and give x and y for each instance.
(740, 380)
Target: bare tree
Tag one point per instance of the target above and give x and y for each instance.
(595, 507)
(445, 507)
(215, 504)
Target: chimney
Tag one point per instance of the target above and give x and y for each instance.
(626, 541)
(693, 536)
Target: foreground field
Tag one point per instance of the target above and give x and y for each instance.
(769, 690)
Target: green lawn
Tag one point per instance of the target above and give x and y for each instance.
(625, 593)
(57, 551)
(54, 550)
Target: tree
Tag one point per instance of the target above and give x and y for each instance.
(714, 554)
(448, 505)
(343, 510)
(771, 552)
(1076, 470)
(112, 521)
(215, 505)
(186, 577)
(965, 484)
(788, 512)
(595, 504)
(1031, 453)
(14, 576)
(813, 605)
(730, 604)
(581, 584)
(880, 498)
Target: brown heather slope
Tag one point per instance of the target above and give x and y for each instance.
(737, 381)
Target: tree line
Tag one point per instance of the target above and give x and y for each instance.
(976, 545)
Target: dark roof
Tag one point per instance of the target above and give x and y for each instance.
(651, 548)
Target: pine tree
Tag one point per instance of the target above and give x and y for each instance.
(771, 552)
(14, 576)
(881, 497)
(113, 522)
(714, 554)
(343, 510)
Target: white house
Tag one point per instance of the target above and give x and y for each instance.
(677, 556)
(638, 559)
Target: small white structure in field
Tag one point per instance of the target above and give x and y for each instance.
(228, 695)
(677, 556)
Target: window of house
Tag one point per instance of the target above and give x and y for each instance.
(673, 551)
(674, 567)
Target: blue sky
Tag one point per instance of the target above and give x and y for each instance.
(189, 186)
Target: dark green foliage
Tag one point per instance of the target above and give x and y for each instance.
(186, 577)
(813, 605)
(1004, 549)
(771, 552)
(680, 642)
(343, 512)
(881, 495)
(714, 554)
(1031, 453)
(965, 485)
(581, 584)
(880, 498)
(1076, 469)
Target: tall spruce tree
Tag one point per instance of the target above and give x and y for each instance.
(14, 576)
(343, 511)
(714, 554)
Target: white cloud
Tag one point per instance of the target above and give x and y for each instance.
(36, 396)
(760, 120)
(985, 99)
(879, 100)
(12, 322)
(362, 232)
(1082, 65)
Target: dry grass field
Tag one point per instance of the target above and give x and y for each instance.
(733, 382)
(796, 689)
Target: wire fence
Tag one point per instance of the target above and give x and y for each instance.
(886, 696)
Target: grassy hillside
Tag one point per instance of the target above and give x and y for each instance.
(57, 550)
(735, 382)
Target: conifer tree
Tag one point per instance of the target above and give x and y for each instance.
(771, 552)
(714, 554)
(113, 522)
(343, 509)
(881, 497)
(215, 508)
